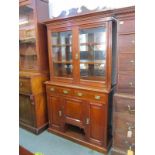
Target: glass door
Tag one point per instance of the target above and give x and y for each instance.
(62, 54)
(92, 54)
(27, 38)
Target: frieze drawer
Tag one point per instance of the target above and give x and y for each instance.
(126, 83)
(25, 85)
(126, 26)
(126, 43)
(126, 62)
(124, 104)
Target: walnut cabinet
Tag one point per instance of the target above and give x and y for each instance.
(82, 77)
(33, 65)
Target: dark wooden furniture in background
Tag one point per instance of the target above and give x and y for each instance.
(124, 98)
(33, 64)
(23, 151)
(82, 76)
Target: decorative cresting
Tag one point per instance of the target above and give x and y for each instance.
(77, 11)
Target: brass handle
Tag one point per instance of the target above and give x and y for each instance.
(132, 61)
(79, 94)
(87, 121)
(131, 111)
(60, 113)
(131, 84)
(121, 22)
(97, 97)
(65, 91)
(131, 128)
(52, 89)
(76, 56)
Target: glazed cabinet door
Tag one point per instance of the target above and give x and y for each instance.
(26, 109)
(95, 122)
(74, 111)
(61, 54)
(27, 39)
(55, 112)
(92, 46)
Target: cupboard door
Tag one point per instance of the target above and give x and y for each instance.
(26, 109)
(96, 123)
(55, 112)
(74, 112)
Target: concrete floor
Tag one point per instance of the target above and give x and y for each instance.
(50, 144)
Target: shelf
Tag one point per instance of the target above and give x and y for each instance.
(28, 54)
(62, 62)
(94, 78)
(61, 45)
(27, 40)
(92, 62)
(91, 44)
(27, 26)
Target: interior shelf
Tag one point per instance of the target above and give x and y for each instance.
(61, 45)
(28, 40)
(92, 62)
(63, 62)
(91, 43)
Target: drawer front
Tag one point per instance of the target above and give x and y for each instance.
(123, 122)
(126, 83)
(126, 62)
(52, 89)
(65, 91)
(24, 85)
(124, 105)
(88, 95)
(126, 43)
(122, 142)
(126, 26)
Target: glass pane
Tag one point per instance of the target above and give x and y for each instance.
(63, 70)
(62, 53)
(92, 53)
(27, 41)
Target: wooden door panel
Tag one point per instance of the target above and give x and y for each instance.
(97, 122)
(55, 112)
(73, 112)
(26, 110)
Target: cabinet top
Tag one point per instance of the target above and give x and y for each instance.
(108, 14)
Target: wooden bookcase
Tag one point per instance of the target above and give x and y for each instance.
(33, 64)
(79, 93)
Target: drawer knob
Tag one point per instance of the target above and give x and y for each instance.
(65, 92)
(52, 89)
(132, 61)
(133, 41)
(21, 84)
(121, 22)
(97, 97)
(79, 94)
(131, 84)
(131, 111)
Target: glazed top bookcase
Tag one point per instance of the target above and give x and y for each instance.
(82, 53)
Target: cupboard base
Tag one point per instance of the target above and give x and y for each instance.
(33, 129)
(80, 140)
